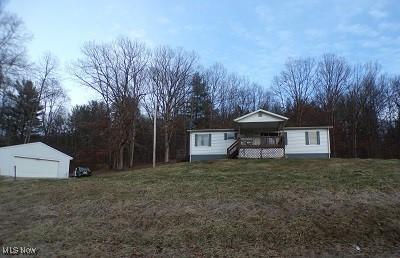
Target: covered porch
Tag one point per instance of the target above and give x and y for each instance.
(260, 135)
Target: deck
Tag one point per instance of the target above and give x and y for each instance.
(261, 147)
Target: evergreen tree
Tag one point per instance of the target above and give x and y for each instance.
(19, 114)
(88, 128)
(200, 102)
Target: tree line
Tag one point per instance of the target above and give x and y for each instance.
(132, 81)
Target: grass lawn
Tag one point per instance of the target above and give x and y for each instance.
(320, 208)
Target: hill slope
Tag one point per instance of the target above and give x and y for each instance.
(223, 208)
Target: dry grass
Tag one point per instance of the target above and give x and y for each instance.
(319, 208)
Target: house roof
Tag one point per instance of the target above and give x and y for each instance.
(308, 127)
(34, 143)
(212, 130)
(283, 118)
(285, 128)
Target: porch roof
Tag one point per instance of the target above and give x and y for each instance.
(266, 126)
(260, 116)
(261, 119)
(212, 130)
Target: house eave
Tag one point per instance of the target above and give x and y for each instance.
(237, 120)
(212, 130)
(308, 127)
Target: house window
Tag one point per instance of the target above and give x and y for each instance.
(230, 136)
(202, 139)
(259, 114)
(312, 138)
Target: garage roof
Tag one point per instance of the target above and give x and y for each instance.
(35, 143)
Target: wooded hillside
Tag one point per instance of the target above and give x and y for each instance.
(360, 101)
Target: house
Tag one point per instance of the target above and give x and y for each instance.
(34, 160)
(260, 134)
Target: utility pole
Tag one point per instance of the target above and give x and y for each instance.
(154, 133)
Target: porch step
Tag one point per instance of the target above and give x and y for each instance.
(233, 151)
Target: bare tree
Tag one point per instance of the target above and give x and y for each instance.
(215, 80)
(53, 103)
(12, 45)
(366, 99)
(117, 72)
(170, 74)
(395, 98)
(295, 83)
(332, 78)
(229, 98)
(13, 37)
(46, 80)
(260, 97)
(231, 95)
(244, 103)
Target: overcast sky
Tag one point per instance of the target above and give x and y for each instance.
(252, 38)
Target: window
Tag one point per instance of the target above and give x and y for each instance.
(259, 114)
(230, 136)
(312, 138)
(202, 139)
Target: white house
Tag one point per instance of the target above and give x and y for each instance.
(34, 160)
(260, 134)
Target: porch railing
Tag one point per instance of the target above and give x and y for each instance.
(262, 142)
(233, 150)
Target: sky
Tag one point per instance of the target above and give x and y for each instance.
(251, 38)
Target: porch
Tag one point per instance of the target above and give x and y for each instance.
(260, 136)
(258, 146)
(261, 141)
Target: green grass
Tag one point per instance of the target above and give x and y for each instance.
(319, 208)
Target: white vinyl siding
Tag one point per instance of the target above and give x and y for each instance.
(218, 143)
(297, 141)
(34, 160)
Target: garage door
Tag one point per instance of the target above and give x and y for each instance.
(29, 167)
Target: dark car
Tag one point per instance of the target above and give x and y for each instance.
(82, 171)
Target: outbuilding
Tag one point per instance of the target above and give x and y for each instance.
(36, 160)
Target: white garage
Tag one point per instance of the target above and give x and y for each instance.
(36, 160)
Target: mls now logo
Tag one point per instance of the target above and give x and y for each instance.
(22, 250)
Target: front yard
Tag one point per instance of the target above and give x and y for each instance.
(223, 208)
